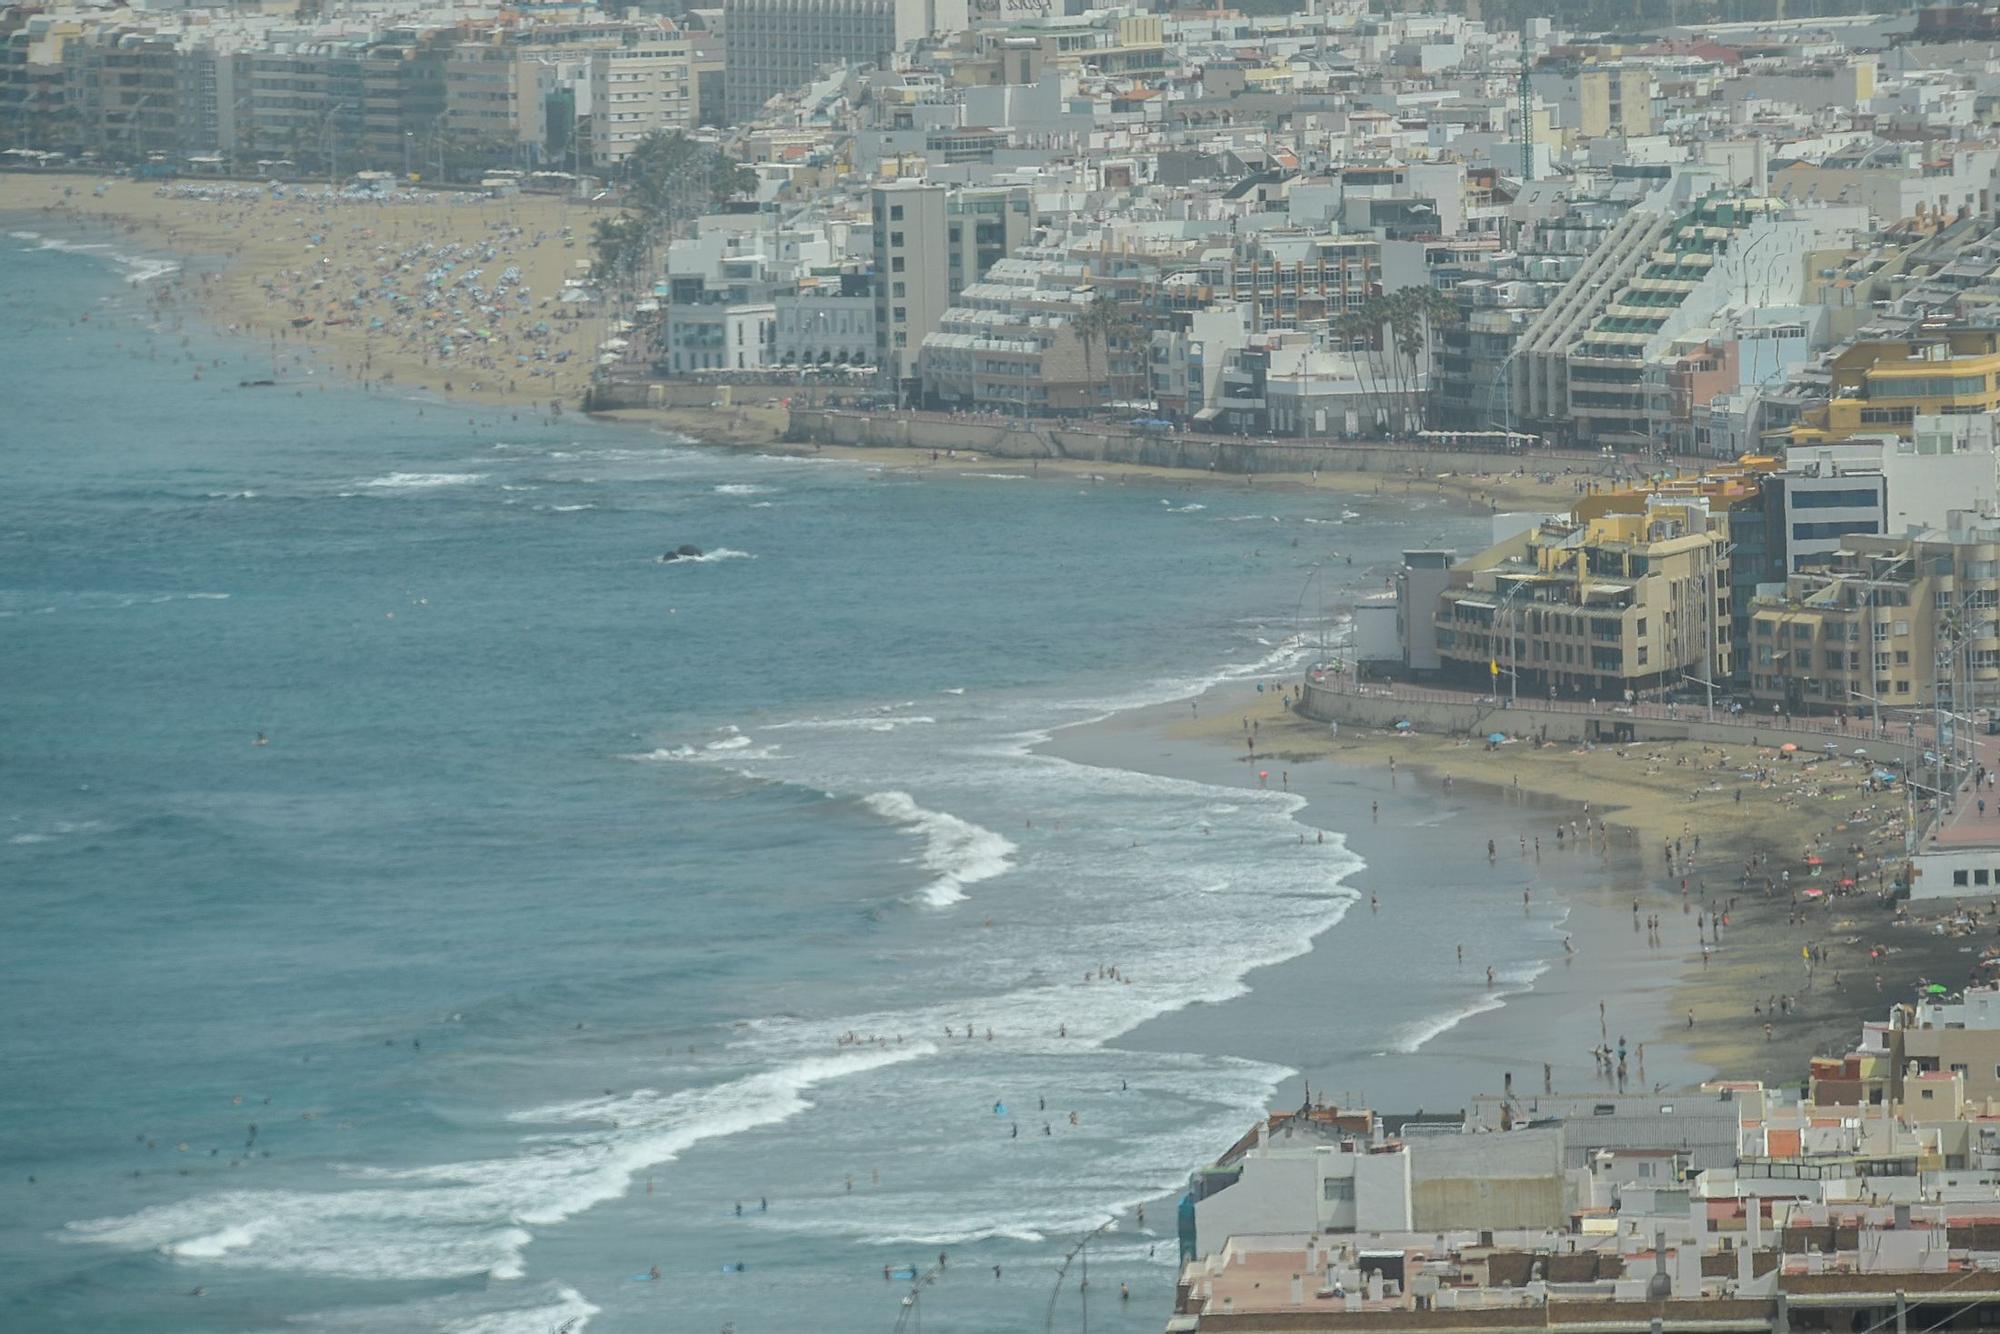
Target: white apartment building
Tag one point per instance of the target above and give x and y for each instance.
(635, 91)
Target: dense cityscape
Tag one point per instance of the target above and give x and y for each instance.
(1658, 349)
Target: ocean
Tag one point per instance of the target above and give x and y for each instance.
(575, 899)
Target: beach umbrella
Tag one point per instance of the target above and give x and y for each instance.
(1884, 776)
(1787, 748)
(1496, 737)
(1935, 989)
(1813, 859)
(1403, 726)
(1858, 750)
(1848, 883)
(1814, 893)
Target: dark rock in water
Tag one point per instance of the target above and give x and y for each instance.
(685, 551)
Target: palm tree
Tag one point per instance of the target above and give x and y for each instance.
(1363, 325)
(1434, 311)
(1095, 326)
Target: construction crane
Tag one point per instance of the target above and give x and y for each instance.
(1526, 97)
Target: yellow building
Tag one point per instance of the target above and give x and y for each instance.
(1595, 607)
(1869, 629)
(1614, 99)
(1879, 387)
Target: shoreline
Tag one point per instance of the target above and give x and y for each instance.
(253, 267)
(453, 295)
(1729, 972)
(1547, 1016)
(913, 462)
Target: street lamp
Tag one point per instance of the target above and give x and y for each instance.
(331, 142)
(1513, 662)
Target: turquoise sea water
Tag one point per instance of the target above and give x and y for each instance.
(529, 943)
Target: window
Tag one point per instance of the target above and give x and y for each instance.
(1809, 532)
(896, 264)
(895, 212)
(1959, 878)
(895, 238)
(1846, 499)
(1340, 1188)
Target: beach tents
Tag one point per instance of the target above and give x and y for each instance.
(1496, 737)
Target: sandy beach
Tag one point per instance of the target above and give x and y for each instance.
(458, 295)
(1723, 929)
(764, 427)
(446, 293)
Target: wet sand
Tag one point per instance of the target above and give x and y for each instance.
(1434, 888)
(1445, 796)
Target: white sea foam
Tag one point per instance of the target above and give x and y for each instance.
(1190, 508)
(213, 1246)
(709, 557)
(231, 495)
(208, 597)
(998, 476)
(569, 1313)
(876, 723)
(442, 1221)
(959, 852)
(1412, 1037)
(1350, 514)
(552, 1308)
(144, 268)
(423, 481)
(570, 509)
(740, 489)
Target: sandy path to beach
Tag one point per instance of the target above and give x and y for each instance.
(447, 293)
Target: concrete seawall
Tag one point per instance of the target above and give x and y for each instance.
(1159, 449)
(1468, 716)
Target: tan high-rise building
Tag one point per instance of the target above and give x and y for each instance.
(638, 90)
(1594, 608)
(1614, 100)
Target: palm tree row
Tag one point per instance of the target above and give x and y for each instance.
(1392, 333)
(670, 181)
